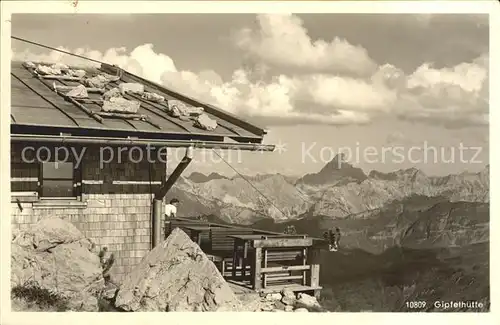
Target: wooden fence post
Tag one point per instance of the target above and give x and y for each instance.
(256, 269)
(313, 261)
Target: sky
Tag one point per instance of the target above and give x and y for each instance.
(391, 91)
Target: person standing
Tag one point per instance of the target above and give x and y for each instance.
(171, 209)
(337, 237)
(170, 212)
(331, 237)
(290, 230)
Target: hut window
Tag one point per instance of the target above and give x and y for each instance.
(57, 179)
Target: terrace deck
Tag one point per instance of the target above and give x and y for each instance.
(259, 260)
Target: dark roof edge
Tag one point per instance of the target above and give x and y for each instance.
(141, 142)
(113, 69)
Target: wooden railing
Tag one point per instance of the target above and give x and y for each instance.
(273, 259)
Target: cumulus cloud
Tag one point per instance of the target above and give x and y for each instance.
(452, 96)
(283, 40)
(456, 95)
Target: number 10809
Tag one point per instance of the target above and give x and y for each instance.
(415, 304)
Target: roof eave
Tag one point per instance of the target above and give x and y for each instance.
(64, 139)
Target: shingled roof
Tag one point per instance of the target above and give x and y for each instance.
(37, 109)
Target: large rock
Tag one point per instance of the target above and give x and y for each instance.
(273, 296)
(301, 310)
(307, 301)
(49, 233)
(54, 255)
(288, 297)
(176, 276)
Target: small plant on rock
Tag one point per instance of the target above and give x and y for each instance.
(43, 298)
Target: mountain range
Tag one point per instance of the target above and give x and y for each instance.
(338, 190)
(406, 236)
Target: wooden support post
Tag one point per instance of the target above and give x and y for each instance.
(264, 276)
(317, 294)
(210, 247)
(235, 258)
(244, 260)
(313, 260)
(223, 266)
(314, 278)
(304, 262)
(198, 238)
(257, 268)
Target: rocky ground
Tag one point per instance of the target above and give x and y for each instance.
(55, 268)
(284, 301)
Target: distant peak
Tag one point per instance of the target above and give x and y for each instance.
(339, 162)
(198, 177)
(336, 172)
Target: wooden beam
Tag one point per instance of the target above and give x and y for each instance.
(257, 284)
(175, 174)
(58, 77)
(80, 106)
(283, 242)
(129, 116)
(286, 277)
(136, 183)
(92, 182)
(24, 179)
(69, 88)
(294, 288)
(285, 268)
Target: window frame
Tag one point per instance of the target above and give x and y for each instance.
(76, 180)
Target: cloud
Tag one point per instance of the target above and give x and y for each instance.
(467, 76)
(452, 96)
(342, 76)
(283, 40)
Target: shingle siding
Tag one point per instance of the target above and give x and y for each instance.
(116, 216)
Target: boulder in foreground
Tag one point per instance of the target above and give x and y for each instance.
(176, 276)
(55, 260)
